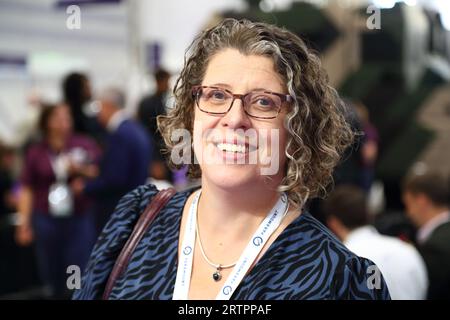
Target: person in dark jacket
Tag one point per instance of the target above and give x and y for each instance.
(149, 108)
(426, 198)
(126, 159)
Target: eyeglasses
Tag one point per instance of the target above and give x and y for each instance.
(258, 104)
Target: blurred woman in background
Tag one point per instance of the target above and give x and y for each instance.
(60, 225)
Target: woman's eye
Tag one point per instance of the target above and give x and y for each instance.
(217, 95)
(263, 102)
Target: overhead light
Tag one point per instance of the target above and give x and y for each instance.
(389, 4)
(266, 5)
(410, 2)
(384, 4)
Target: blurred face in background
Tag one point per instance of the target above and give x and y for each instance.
(105, 113)
(162, 85)
(415, 204)
(59, 122)
(7, 158)
(86, 90)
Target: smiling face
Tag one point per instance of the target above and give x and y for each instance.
(226, 145)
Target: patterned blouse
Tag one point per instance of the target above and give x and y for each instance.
(305, 261)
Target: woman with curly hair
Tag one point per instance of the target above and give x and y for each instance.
(267, 132)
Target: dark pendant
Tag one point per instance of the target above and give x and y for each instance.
(217, 276)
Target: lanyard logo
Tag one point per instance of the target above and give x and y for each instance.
(257, 241)
(227, 290)
(187, 250)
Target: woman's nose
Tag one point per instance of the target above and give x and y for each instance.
(236, 116)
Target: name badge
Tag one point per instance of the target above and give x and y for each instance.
(60, 200)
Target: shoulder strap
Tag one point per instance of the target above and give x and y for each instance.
(150, 213)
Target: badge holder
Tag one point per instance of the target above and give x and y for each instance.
(60, 197)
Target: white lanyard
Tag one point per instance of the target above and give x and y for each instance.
(59, 164)
(251, 251)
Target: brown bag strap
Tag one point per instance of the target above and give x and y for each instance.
(150, 213)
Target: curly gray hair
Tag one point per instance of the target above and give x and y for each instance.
(317, 129)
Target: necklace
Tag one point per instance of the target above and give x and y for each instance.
(217, 276)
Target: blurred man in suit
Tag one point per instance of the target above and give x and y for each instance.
(400, 263)
(126, 159)
(426, 198)
(149, 109)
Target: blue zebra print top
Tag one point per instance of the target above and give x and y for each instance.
(305, 262)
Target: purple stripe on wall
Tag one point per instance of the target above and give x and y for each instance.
(13, 60)
(65, 3)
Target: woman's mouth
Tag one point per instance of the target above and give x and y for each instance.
(231, 147)
(234, 152)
